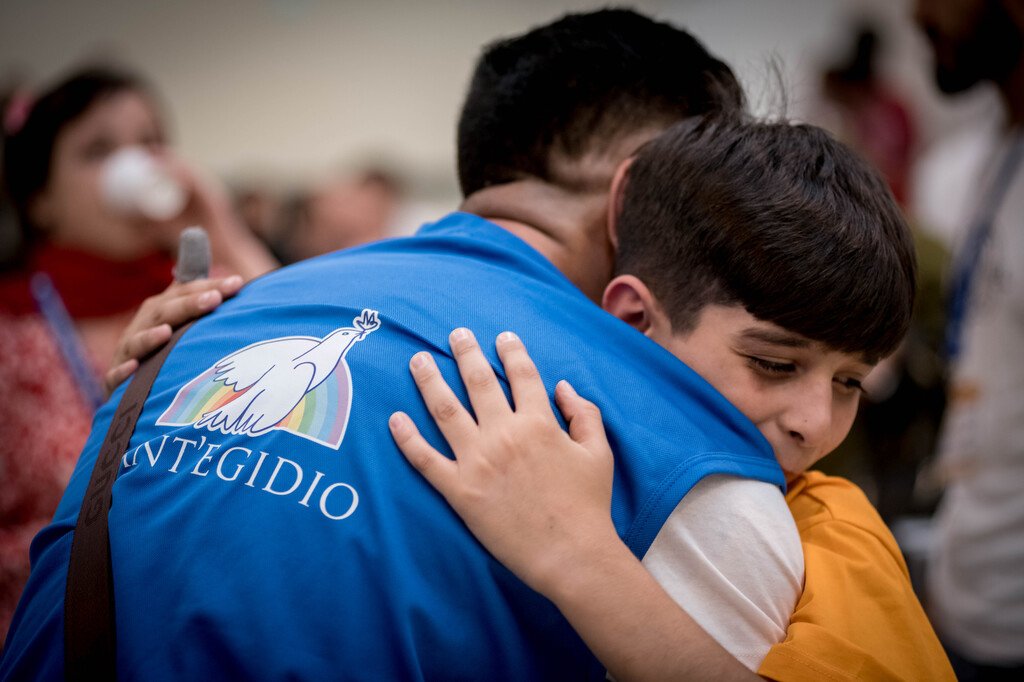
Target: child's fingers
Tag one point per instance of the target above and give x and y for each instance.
(204, 294)
(180, 303)
(527, 387)
(194, 305)
(194, 299)
(180, 309)
(145, 342)
(225, 285)
(229, 286)
(116, 375)
(485, 394)
(440, 472)
(583, 417)
(455, 423)
(176, 305)
(140, 344)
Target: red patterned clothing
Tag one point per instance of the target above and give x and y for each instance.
(44, 421)
(44, 416)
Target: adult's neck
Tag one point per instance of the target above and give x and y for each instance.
(568, 227)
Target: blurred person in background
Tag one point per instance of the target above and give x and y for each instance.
(898, 422)
(79, 272)
(339, 213)
(866, 114)
(259, 207)
(975, 577)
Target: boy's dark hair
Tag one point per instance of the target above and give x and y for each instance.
(779, 218)
(28, 153)
(576, 86)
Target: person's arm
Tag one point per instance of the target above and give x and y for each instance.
(558, 538)
(155, 319)
(729, 554)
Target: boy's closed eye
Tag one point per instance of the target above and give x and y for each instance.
(777, 369)
(771, 367)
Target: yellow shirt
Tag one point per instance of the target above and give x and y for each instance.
(858, 617)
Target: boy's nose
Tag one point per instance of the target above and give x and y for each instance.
(808, 421)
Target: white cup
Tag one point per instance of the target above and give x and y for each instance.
(135, 182)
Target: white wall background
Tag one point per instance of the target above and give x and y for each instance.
(291, 88)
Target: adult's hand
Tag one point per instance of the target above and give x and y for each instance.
(155, 319)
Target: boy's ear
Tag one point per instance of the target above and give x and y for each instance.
(629, 299)
(615, 194)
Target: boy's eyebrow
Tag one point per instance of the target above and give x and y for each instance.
(778, 338)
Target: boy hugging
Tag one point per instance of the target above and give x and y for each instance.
(775, 263)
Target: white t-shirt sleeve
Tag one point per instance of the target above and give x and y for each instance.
(730, 555)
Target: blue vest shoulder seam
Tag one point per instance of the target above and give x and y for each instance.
(659, 505)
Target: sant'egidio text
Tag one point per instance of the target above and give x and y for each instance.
(256, 469)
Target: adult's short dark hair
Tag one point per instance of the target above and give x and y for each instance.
(574, 86)
(28, 153)
(779, 218)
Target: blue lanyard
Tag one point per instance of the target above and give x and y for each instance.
(56, 315)
(966, 264)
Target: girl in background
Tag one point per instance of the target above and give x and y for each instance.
(81, 271)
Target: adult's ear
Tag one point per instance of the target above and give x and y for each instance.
(629, 299)
(615, 195)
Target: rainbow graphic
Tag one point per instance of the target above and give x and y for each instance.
(259, 376)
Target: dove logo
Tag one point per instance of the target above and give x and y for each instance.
(299, 384)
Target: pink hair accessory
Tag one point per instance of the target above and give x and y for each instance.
(17, 111)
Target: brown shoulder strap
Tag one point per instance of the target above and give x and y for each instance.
(89, 598)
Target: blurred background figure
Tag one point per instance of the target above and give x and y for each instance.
(866, 114)
(77, 272)
(897, 425)
(316, 217)
(347, 211)
(976, 579)
(259, 206)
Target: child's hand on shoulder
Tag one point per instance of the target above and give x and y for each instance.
(537, 497)
(155, 319)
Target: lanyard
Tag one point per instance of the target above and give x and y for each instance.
(966, 264)
(56, 315)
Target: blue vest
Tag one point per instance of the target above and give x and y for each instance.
(264, 525)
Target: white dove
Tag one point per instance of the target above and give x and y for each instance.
(274, 376)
